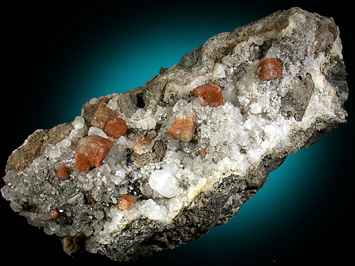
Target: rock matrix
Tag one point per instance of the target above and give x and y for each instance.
(157, 166)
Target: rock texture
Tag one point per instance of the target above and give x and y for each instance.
(157, 166)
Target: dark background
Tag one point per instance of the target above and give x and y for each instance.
(46, 45)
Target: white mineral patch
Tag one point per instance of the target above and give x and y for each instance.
(337, 48)
(78, 122)
(65, 143)
(113, 103)
(143, 120)
(153, 211)
(119, 176)
(164, 182)
(96, 131)
(218, 71)
(255, 108)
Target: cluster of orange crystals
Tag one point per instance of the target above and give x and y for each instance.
(183, 129)
(210, 94)
(91, 150)
(107, 119)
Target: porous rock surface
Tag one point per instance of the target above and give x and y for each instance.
(161, 164)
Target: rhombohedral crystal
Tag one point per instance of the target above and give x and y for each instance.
(157, 166)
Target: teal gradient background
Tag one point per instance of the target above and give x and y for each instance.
(61, 55)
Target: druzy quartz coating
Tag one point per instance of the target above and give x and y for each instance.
(158, 166)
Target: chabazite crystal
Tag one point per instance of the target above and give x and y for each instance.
(160, 165)
(63, 172)
(269, 69)
(102, 114)
(125, 203)
(91, 150)
(116, 128)
(210, 94)
(182, 129)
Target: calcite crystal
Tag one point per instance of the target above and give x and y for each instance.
(157, 166)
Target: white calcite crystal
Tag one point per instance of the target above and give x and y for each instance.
(164, 182)
(157, 166)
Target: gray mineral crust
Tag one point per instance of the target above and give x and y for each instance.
(160, 165)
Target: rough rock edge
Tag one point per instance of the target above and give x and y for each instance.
(209, 208)
(35, 145)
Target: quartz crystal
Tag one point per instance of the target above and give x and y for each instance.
(160, 165)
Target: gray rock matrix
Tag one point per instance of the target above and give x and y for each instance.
(158, 184)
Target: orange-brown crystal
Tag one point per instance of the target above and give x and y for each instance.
(63, 172)
(269, 69)
(90, 152)
(125, 202)
(115, 128)
(209, 94)
(182, 129)
(102, 114)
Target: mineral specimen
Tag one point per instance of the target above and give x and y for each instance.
(90, 152)
(210, 94)
(157, 166)
(125, 202)
(182, 129)
(269, 69)
(63, 172)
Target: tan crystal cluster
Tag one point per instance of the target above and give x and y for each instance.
(91, 150)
